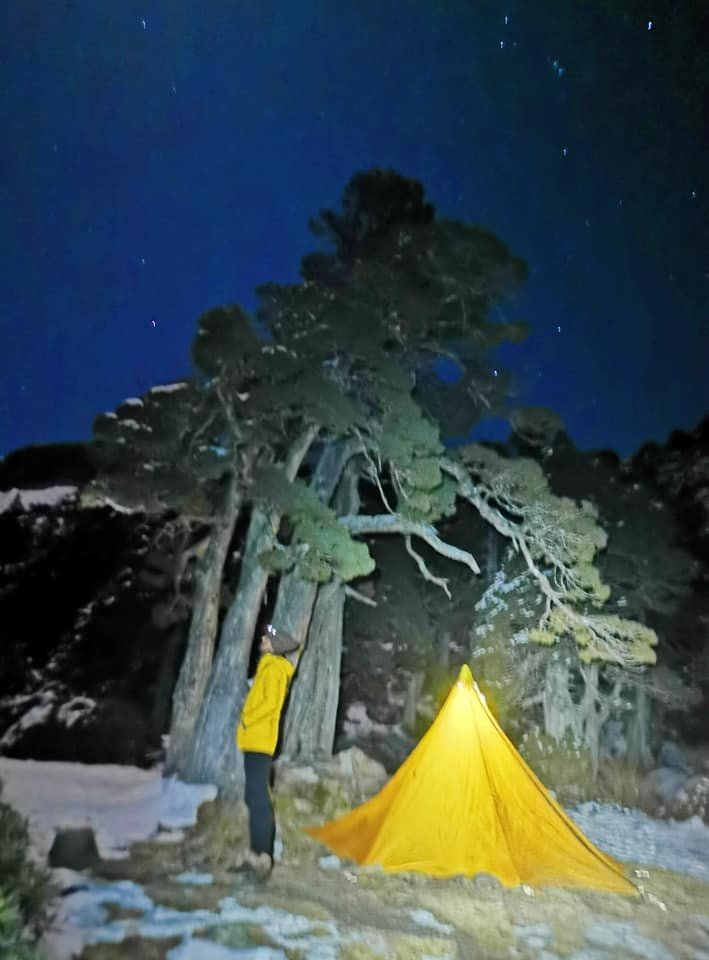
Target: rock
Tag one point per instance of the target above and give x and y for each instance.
(692, 799)
(486, 883)
(613, 740)
(663, 783)
(359, 774)
(75, 848)
(390, 750)
(366, 774)
(671, 756)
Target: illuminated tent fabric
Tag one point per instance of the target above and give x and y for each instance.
(465, 802)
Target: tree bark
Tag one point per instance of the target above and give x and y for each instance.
(491, 555)
(209, 740)
(213, 754)
(639, 730)
(594, 714)
(312, 711)
(444, 649)
(559, 708)
(413, 697)
(165, 683)
(194, 672)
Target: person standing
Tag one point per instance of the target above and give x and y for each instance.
(257, 737)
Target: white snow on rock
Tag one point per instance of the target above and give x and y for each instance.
(35, 716)
(48, 497)
(170, 387)
(121, 804)
(75, 709)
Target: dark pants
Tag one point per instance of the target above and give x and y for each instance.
(257, 769)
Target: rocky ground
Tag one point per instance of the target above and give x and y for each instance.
(322, 910)
(185, 900)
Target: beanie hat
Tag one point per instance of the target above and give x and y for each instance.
(282, 641)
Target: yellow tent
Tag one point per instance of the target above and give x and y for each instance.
(465, 802)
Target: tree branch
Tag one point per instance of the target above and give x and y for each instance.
(423, 569)
(359, 524)
(356, 595)
(611, 646)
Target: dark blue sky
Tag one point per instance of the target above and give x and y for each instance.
(160, 158)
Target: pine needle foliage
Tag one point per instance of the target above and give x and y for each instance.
(319, 547)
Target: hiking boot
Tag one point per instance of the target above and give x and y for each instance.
(262, 865)
(255, 866)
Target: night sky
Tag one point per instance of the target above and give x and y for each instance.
(160, 158)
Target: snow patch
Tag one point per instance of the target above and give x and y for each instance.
(631, 835)
(75, 709)
(27, 499)
(426, 919)
(170, 387)
(35, 716)
(195, 879)
(206, 950)
(122, 804)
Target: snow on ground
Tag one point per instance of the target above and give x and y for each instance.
(122, 804)
(48, 497)
(125, 804)
(630, 835)
(84, 919)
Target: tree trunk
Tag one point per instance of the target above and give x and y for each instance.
(639, 731)
(444, 649)
(559, 708)
(213, 756)
(413, 698)
(194, 672)
(491, 556)
(165, 683)
(594, 714)
(312, 711)
(209, 740)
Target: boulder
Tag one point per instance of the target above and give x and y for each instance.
(662, 784)
(352, 769)
(75, 848)
(671, 756)
(692, 799)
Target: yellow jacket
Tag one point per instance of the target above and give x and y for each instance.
(261, 715)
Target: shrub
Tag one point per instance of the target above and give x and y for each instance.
(13, 943)
(621, 782)
(23, 885)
